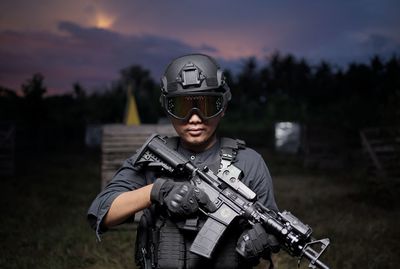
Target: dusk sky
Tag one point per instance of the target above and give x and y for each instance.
(90, 41)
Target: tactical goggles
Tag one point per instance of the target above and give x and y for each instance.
(206, 105)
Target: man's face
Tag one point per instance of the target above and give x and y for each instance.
(197, 134)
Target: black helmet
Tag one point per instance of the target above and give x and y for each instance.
(193, 74)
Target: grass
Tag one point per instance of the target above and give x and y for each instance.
(43, 223)
(359, 213)
(44, 216)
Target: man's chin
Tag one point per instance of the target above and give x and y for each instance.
(195, 140)
(197, 143)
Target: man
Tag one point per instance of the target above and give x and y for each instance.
(195, 96)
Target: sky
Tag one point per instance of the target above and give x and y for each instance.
(90, 41)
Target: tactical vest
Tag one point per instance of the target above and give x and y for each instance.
(162, 243)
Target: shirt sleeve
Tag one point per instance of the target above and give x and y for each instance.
(257, 177)
(127, 178)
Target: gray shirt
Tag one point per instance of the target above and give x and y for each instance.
(128, 178)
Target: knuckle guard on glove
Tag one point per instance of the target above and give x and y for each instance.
(181, 199)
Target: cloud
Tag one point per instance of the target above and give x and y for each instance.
(59, 38)
(91, 56)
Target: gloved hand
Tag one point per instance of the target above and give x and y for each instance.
(256, 243)
(181, 199)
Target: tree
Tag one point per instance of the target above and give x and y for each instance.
(145, 91)
(34, 107)
(9, 104)
(34, 88)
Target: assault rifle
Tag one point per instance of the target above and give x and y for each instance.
(232, 199)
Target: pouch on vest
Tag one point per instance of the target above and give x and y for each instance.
(171, 252)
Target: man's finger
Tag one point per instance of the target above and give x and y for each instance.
(204, 200)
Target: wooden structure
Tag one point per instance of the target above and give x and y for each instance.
(7, 149)
(119, 142)
(383, 148)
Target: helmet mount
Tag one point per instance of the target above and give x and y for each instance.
(190, 75)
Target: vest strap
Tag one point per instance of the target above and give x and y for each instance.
(230, 148)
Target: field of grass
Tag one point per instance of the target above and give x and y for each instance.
(43, 223)
(360, 214)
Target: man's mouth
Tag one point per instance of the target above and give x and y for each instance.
(195, 131)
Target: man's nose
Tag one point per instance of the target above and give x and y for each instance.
(195, 118)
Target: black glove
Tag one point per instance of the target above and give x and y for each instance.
(256, 243)
(181, 199)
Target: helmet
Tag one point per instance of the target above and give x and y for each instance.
(193, 75)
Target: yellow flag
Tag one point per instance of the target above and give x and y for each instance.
(131, 112)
